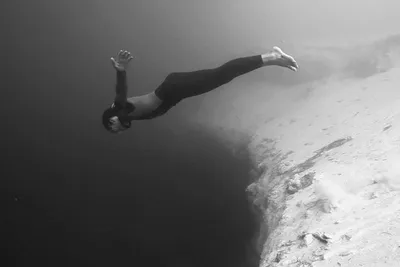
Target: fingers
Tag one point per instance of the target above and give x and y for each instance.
(124, 54)
(114, 62)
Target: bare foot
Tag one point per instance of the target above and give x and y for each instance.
(279, 58)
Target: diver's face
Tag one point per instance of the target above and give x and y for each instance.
(116, 125)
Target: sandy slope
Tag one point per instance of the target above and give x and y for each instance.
(332, 167)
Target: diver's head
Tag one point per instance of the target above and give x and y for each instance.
(112, 123)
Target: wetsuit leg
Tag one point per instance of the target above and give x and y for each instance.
(180, 85)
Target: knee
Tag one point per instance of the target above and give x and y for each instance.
(224, 77)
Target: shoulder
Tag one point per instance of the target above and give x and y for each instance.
(127, 107)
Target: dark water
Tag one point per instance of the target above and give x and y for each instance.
(74, 195)
(178, 202)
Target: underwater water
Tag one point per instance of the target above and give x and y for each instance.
(181, 201)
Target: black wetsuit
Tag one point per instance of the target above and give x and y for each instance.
(180, 85)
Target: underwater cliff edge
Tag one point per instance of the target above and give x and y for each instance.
(328, 181)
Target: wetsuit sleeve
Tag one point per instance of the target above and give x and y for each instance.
(121, 88)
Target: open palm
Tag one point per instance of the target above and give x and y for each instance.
(121, 62)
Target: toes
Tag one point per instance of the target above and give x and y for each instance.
(290, 62)
(294, 64)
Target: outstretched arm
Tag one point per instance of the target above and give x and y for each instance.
(121, 88)
(121, 64)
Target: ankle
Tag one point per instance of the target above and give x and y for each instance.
(269, 58)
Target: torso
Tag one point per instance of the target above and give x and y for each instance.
(144, 106)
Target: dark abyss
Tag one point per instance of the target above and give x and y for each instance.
(162, 194)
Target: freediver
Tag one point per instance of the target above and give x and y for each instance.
(178, 86)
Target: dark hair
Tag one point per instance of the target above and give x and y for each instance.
(107, 114)
(112, 112)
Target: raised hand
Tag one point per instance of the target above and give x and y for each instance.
(121, 62)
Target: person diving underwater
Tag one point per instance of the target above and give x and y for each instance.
(178, 86)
